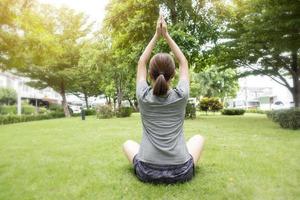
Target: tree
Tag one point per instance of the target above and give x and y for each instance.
(52, 42)
(89, 74)
(8, 96)
(262, 37)
(214, 83)
(129, 25)
(10, 31)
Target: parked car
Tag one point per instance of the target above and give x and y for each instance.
(279, 104)
(75, 108)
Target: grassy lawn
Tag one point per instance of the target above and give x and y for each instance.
(247, 157)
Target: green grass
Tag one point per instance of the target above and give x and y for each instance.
(245, 157)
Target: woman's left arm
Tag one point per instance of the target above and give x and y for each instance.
(141, 68)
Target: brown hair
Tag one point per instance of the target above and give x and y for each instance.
(162, 69)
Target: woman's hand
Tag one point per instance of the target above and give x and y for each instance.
(164, 30)
(158, 32)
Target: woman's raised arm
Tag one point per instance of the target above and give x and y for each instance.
(141, 68)
(183, 63)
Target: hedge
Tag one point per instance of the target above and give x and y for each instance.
(233, 111)
(10, 119)
(258, 111)
(287, 118)
(124, 112)
(26, 109)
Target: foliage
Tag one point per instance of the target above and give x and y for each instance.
(8, 96)
(190, 111)
(287, 118)
(210, 104)
(214, 83)
(129, 25)
(90, 111)
(262, 37)
(90, 73)
(124, 112)
(56, 107)
(104, 112)
(52, 44)
(9, 119)
(26, 109)
(233, 111)
(10, 38)
(258, 111)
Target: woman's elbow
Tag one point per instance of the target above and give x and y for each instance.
(184, 62)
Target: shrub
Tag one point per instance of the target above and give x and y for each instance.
(124, 112)
(258, 111)
(233, 111)
(26, 110)
(104, 112)
(8, 96)
(56, 108)
(9, 119)
(215, 105)
(287, 118)
(90, 112)
(204, 104)
(42, 110)
(190, 111)
(210, 104)
(8, 110)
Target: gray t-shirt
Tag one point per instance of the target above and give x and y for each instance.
(162, 118)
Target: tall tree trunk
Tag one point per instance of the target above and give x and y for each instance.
(296, 79)
(64, 100)
(296, 92)
(132, 104)
(119, 97)
(86, 100)
(119, 92)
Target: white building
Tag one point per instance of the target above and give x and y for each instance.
(261, 92)
(9, 80)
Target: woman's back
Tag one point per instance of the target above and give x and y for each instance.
(162, 118)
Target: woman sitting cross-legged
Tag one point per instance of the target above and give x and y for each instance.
(163, 156)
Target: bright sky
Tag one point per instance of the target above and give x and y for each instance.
(95, 9)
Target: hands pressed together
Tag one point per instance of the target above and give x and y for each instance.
(161, 27)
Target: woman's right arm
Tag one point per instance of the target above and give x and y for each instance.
(183, 63)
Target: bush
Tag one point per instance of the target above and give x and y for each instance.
(274, 114)
(42, 110)
(210, 104)
(233, 111)
(204, 104)
(56, 108)
(8, 96)
(124, 112)
(104, 112)
(28, 109)
(12, 110)
(287, 118)
(90, 112)
(8, 110)
(190, 111)
(258, 111)
(9, 119)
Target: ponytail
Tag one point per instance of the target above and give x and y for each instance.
(160, 86)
